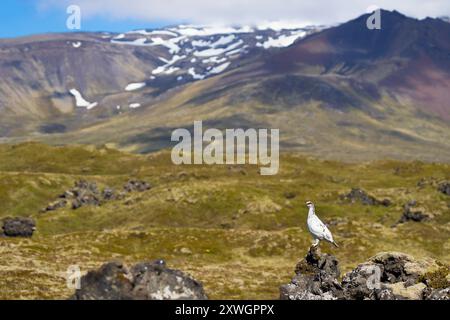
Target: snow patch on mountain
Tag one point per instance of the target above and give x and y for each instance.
(134, 86)
(281, 41)
(197, 52)
(80, 101)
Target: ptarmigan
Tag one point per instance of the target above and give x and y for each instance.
(317, 228)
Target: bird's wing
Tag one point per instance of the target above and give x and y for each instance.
(319, 229)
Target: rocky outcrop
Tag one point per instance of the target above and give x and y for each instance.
(359, 195)
(438, 294)
(18, 227)
(386, 276)
(143, 281)
(86, 193)
(315, 279)
(412, 212)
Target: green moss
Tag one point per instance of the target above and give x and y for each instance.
(437, 279)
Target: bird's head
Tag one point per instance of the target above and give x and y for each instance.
(309, 204)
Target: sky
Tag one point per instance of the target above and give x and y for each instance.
(24, 17)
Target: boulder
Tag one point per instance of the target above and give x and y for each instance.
(143, 281)
(136, 185)
(413, 213)
(315, 279)
(438, 294)
(18, 227)
(444, 187)
(359, 195)
(108, 194)
(85, 193)
(402, 291)
(386, 276)
(55, 205)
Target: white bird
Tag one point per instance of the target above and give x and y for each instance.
(317, 228)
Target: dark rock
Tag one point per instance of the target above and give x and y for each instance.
(55, 205)
(359, 195)
(385, 294)
(438, 294)
(357, 283)
(289, 195)
(377, 278)
(136, 185)
(143, 281)
(86, 185)
(386, 276)
(108, 194)
(111, 282)
(85, 199)
(87, 193)
(83, 193)
(410, 213)
(316, 279)
(18, 227)
(445, 188)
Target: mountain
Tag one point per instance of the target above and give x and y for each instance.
(46, 77)
(343, 92)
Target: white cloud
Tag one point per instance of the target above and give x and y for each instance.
(247, 11)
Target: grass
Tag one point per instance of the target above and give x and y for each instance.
(234, 230)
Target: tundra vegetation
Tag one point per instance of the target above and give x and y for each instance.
(237, 232)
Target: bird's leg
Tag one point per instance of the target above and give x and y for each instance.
(316, 243)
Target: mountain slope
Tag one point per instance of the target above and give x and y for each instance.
(48, 81)
(410, 58)
(345, 92)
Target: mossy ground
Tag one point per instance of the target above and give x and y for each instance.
(238, 232)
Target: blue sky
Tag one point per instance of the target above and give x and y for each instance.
(24, 17)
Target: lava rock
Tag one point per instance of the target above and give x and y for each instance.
(386, 276)
(86, 185)
(438, 294)
(85, 199)
(18, 227)
(136, 185)
(412, 213)
(359, 195)
(108, 194)
(445, 188)
(143, 281)
(55, 205)
(316, 279)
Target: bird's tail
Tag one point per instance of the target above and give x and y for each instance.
(335, 244)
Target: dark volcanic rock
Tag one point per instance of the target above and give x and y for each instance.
(316, 279)
(411, 213)
(55, 205)
(445, 188)
(86, 193)
(108, 194)
(359, 195)
(18, 227)
(386, 276)
(143, 281)
(136, 185)
(379, 277)
(439, 294)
